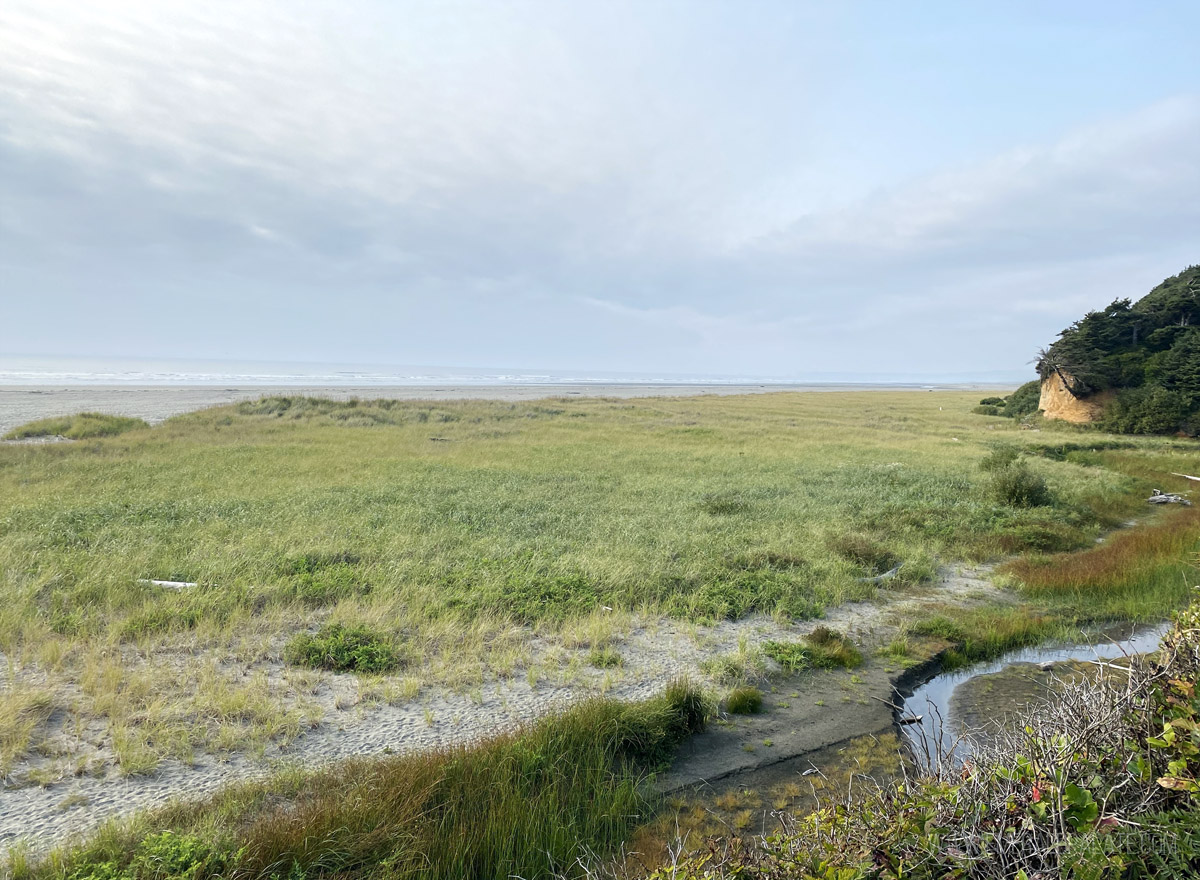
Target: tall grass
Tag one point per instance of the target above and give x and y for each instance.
(83, 426)
(454, 529)
(528, 804)
(1133, 573)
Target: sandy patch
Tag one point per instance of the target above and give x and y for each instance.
(90, 788)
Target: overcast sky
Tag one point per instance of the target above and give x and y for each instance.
(741, 187)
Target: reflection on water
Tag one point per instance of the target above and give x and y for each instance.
(972, 699)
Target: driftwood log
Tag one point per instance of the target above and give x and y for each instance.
(1161, 497)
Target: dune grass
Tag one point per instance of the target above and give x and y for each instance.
(450, 531)
(525, 804)
(83, 426)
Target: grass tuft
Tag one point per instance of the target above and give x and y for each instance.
(745, 700)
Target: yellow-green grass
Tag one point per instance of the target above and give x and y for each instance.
(452, 529)
(529, 804)
(82, 426)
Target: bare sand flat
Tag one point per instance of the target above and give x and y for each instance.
(25, 403)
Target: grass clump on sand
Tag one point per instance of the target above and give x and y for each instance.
(83, 426)
(745, 700)
(340, 648)
(823, 648)
(529, 804)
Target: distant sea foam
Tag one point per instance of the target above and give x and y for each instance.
(48, 371)
(76, 371)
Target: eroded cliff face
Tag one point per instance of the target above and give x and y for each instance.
(1059, 403)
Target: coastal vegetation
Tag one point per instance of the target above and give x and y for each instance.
(83, 426)
(387, 548)
(533, 803)
(1099, 782)
(427, 541)
(1147, 352)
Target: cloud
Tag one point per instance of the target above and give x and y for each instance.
(618, 184)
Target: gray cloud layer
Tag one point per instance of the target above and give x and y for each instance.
(608, 186)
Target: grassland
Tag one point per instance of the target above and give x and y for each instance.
(454, 532)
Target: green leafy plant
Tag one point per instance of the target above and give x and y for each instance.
(344, 649)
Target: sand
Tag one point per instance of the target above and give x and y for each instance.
(832, 708)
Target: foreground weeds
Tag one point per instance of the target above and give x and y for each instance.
(528, 804)
(1099, 782)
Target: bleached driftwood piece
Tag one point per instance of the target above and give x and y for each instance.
(1186, 477)
(1161, 497)
(886, 576)
(170, 585)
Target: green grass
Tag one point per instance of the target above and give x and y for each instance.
(744, 700)
(823, 648)
(344, 649)
(84, 426)
(452, 530)
(527, 804)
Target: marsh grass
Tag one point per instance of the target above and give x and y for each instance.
(455, 530)
(524, 804)
(83, 426)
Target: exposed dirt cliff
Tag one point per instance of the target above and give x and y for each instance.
(1059, 403)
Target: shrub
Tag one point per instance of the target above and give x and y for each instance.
(744, 701)
(987, 411)
(1017, 486)
(999, 458)
(1150, 409)
(992, 401)
(343, 649)
(1024, 401)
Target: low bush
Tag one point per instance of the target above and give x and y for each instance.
(999, 458)
(163, 856)
(988, 410)
(344, 649)
(1024, 401)
(992, 401)
(744, 700)
(1018, 486)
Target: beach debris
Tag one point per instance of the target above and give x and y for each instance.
(170, 585)
(1186, 477)
(810, 771)
(911, 719)
(886, 576)
(1161, 497)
